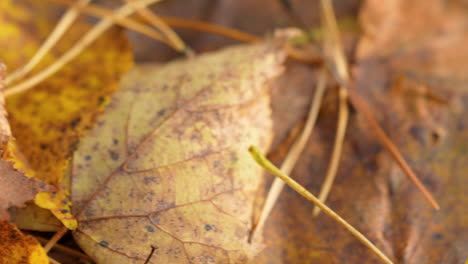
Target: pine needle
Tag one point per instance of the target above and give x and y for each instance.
(292, 156)
(124, 22)
(67, 19)
(210, 28)
(361, 106)
(267, 165)
(334, 50)
(73, 52)
(343, 116)
(340, 70)
(156, 21)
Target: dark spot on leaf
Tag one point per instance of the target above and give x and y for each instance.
(114, 155)
(43, 146)
(417, 132)
(116, 142)
(64, 211)
(161, 112)
(208, 227)
(87, 157)
(149, 229)
(148, 180)
(101, 100)
(75, 122)
(435, 137)
(438, 236)
(104, 243)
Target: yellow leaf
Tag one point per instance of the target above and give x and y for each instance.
(166, 171)
(48, 120)
(17, 248)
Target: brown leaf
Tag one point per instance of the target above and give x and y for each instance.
(167, 167)
(411, 67)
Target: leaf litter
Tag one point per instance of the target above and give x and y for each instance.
(421, 110)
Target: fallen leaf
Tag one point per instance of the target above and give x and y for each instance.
(48, 120)
(15, 187)
(166, 175)
(17, 248)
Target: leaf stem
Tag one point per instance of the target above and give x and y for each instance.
(267, 165)
(334, 50)
(64, 249)
(55, 238)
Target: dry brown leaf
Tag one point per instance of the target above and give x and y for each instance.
(411, 67)
(167, 167)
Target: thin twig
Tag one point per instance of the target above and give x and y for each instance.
(64, 249)
(156, 21)
(124, 22)
(55, 238)
(72, 53)
(334, 50)
(267, 165)
(293, 155)
(67, 19)
(362, 107)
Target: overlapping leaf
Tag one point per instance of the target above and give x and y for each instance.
(48, 120)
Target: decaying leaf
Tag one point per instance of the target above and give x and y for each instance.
(411, 67)
(167, 169)
(17, 248)
(48, 120)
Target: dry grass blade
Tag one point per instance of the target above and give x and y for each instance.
(83, 43)
(152, 18)
(67, 19)
(334, 50)
(293, 155)
(267, 165)
(124, 22)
